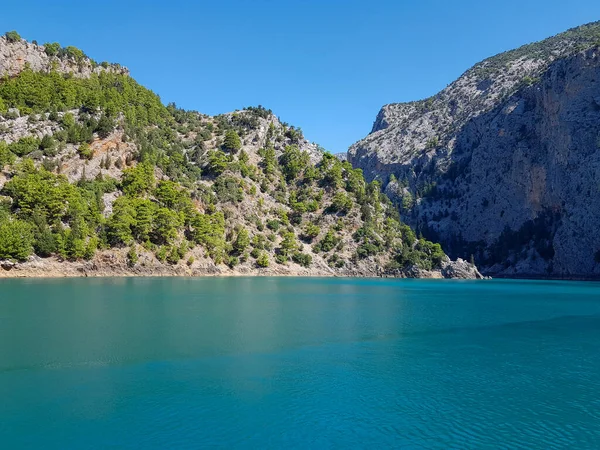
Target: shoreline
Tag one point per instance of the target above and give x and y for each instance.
(26, 274)
(77, 270)
(259, 273)
(114, 264)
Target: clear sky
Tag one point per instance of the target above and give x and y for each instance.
(324, 65)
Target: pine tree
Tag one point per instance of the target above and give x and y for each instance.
(232, 142)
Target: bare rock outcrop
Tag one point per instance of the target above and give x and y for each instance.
(16, 56)
(460, 269)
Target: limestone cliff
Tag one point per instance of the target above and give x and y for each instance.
(504, 164)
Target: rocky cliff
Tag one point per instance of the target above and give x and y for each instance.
(503, 165)
(17, 54)
(99, 178)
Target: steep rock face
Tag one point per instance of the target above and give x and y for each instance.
(504, 164)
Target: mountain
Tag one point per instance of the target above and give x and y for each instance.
(504, 163)
(98, 177)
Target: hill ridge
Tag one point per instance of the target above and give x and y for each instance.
(100, 178)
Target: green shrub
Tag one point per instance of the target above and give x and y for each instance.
(273, 224)
(105, 126)
(329, 241)
(36, 189)
(288, 244)
(74, 245)
(431, 254)
(12, 36)
(356, 183)
(45, 241)
(120, 223)
(217, 162)
(333, 171)
(293, 162)
(24, 146)
(138, 180)
(341, 203)
(302, 258)
(209, 231)
(203, 135)
(262, 260)
(48, 145)
(336, 261)
(6, 156)
(175, 254)
(232, 142)
(269, 161)
(433, 142)
(233, 261)
(85, 151)
(228, 189)
(16, 239)
(367, 249)
(90, 248)
(294, 135)
(52, 49)
(72, 53)
(283, 216)
(166, 225)
(161, 254)
(242, 241)
(311, 231)
(132, 256)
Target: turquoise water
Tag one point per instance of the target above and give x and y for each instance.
(299, 363)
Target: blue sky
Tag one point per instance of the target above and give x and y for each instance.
(324, 65)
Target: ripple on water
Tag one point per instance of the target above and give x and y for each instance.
(354, 364)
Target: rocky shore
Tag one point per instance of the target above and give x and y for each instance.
(114, 264)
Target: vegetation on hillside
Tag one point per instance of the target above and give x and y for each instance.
(568, 42)
(193, 182)
(35, 92)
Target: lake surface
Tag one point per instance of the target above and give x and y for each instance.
(299, 363)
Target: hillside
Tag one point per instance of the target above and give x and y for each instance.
(503, 163)
(100, 178)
